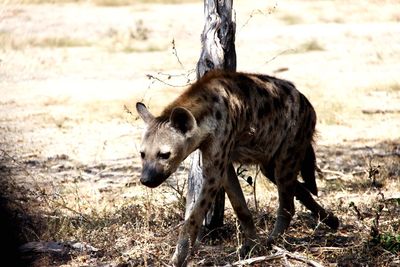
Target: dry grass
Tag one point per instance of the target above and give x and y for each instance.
(52, 42)
(128, 41)
(331, 113)
(9, 41)
(134, 39)
(130, 2)
(394, 87)
(108, 3)
(309, 46)
(291, 19)
(142, 229)
(36, 2)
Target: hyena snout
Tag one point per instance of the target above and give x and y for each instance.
(152, 176)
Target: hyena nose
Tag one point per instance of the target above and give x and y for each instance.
(151, 177)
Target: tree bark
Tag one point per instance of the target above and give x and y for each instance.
(218, 38)
(218, 52)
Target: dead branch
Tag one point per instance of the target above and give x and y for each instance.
(60, 248)
(324, 249)
(336, 174)
(297, 257)
(280, 254)
(257, 260)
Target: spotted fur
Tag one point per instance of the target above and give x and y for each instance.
(235, 118)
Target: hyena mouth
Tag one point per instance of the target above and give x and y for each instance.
(152, 179)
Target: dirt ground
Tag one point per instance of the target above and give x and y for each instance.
(72, 71)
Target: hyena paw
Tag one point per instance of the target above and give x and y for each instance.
(332, 221)
(181, 254)
(178, 261)
(270, 241)
(273, 239)
(248, 248)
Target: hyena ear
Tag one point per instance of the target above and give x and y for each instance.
(182, 120)
(144, 113)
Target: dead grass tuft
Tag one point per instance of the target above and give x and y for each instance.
(134, 39)
(55, 42)
(291, 19)
(37, 2)
(117, 3)
(106, 3)
(330, 112)
(309, 46)
(8, 41)
(394, 87)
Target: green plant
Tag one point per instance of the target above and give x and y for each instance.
(385, 238)
(389, 241)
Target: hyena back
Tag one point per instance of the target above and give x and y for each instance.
(235, 118)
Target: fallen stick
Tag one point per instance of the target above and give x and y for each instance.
(333, 172)
(324, 249)
(297, 257)
(280, 254)
(257, 259)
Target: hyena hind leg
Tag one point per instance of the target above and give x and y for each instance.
(303, 191)
(285, 180)
(304, 196)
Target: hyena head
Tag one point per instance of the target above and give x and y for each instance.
(166, 143)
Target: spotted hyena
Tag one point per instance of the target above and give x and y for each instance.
(235, 118)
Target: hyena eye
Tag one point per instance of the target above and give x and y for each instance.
(164, 155)
(142, 154)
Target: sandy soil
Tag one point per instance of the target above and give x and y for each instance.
(69, 73)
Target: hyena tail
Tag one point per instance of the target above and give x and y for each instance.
(308, 170)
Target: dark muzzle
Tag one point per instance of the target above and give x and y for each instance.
(152, 177)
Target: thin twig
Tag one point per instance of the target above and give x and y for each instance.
(127, 110)
(169, 75)
(279, 54)
(253, 12)
(152, 77)
(175, 53)
(258, 12)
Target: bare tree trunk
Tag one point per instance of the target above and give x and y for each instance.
(218, 52)
(218, 38)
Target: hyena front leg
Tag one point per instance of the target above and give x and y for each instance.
(212, 182)
(234, 191)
